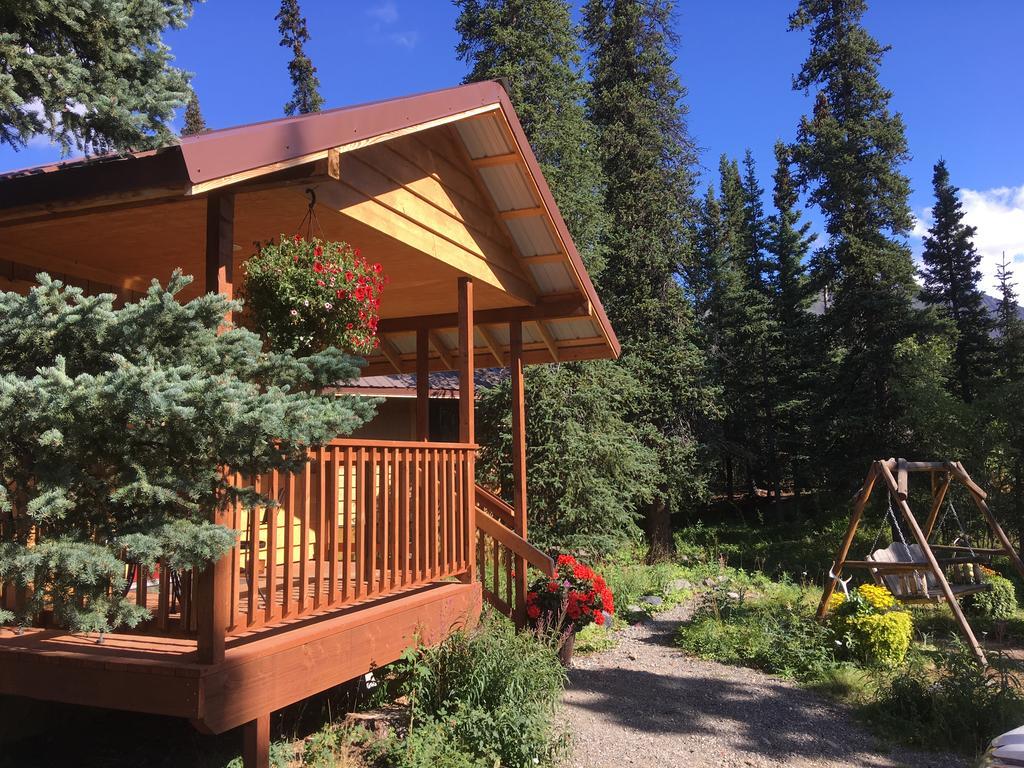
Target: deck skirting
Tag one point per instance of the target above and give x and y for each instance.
(262, 671)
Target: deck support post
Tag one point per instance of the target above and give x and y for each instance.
(422, 384)
(467, 424)
(256, 742)
(515, 365)
(214, 582)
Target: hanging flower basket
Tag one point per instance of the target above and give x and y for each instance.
(306, 295)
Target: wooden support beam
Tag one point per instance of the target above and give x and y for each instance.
(493, 160)
(543, 258)
(559, 309)
(256, 743)
(515, 364)
(214, 582)
(935, 568)
(860, 500)
(220, 232)
(958, 469)
(996, 528)
(492, 344)
(467, 421)
(939, 490)
(901, 478)
(442, 351)
(522, 213)
(391, 353)
(422, 385)
(467, 394)
(549, 340)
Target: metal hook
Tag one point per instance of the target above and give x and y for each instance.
(312, 197)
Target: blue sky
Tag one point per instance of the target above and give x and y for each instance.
(955, 70)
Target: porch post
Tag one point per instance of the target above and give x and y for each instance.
(422, 385)
(467, 427)
(214, 582)
(515, 365)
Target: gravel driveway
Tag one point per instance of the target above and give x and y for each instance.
(644, 703)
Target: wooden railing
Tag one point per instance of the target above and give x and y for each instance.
(362, 519)
(501, 553)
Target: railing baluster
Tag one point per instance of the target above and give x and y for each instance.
(288, 516)
(331, 521)
(348, 509)
(416, 480)
(321, 530)
(360, 490)
(304, 489)
(252, 563)
(271, 568)
(396, 471)
(404, 516)
(385, 515)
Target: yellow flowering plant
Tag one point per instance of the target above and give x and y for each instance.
(870, 625)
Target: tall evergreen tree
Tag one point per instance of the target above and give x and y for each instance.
(648, 157)
(951, 274)
(94, 77)
(755, 226)
(736, 314)
(847, 155)
(1009, 326)
(589, 470)
(532, 45)
(194, 120)
(789, 242)
(305, 84)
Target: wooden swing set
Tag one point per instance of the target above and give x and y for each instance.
(913, 572)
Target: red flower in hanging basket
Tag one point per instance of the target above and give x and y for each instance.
(292, 300)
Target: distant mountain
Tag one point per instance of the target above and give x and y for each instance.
(991, 304)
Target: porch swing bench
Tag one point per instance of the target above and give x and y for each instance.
(904, 571)
(923, 572)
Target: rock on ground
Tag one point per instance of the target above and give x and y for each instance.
(645, 703)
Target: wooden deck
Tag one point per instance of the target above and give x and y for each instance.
(264, 669)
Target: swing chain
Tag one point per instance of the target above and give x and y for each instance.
(890, 515)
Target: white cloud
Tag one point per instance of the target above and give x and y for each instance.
(998, 215)
(385, 12)
(405, 39)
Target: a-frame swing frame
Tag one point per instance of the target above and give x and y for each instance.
(894, 473)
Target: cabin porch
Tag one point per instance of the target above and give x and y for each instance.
(374, 543)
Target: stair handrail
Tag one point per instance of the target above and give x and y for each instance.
(490, 511)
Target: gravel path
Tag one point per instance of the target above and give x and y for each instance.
(646, 704)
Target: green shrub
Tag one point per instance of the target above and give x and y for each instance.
(594, 638)
(871, 626)
(767, 634)
(961, 707)
(999, 602)
(482, 696)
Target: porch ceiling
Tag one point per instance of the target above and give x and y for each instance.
(434, 187)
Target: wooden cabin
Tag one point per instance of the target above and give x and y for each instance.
(377, 541)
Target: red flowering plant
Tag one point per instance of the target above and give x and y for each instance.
(305, 295)
(575, 595)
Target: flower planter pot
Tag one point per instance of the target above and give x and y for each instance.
(566, 648)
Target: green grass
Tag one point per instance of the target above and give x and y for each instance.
(937, 699)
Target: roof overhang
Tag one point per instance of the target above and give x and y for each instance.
(550, 288)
